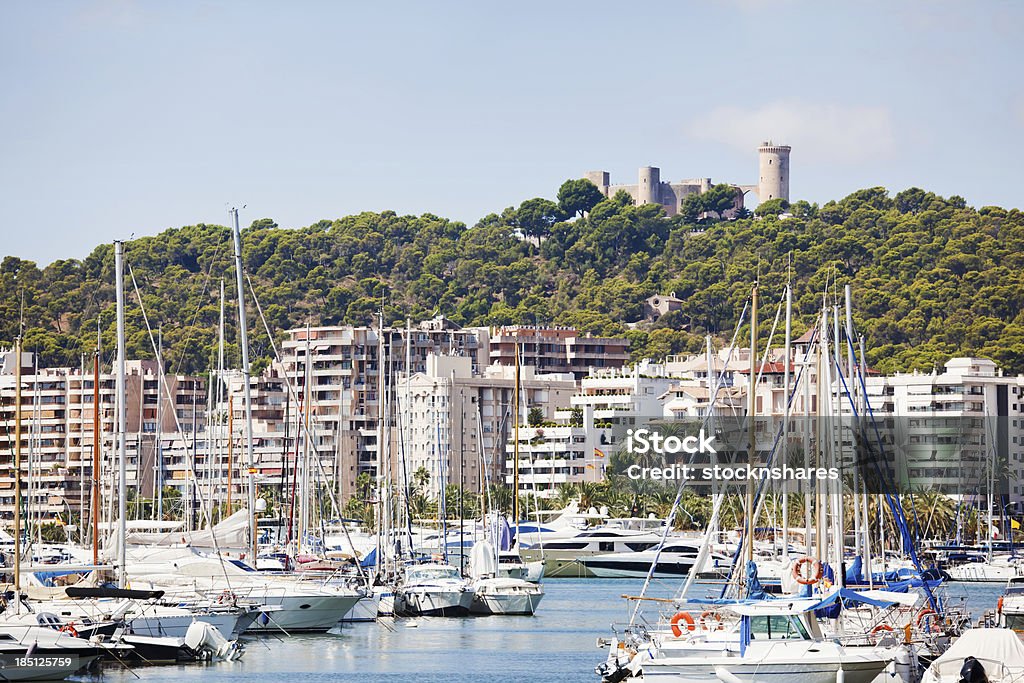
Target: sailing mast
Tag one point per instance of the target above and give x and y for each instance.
(751, 409)
(247, 393)
(515, 450)
(406, 431)
(32, 427)
(785, 419)
(231, 450)
(122, 419)
(839, 523)
(159, 426)
(218, 402)
(96, 436)
(382, 530)
(304, 501)
(81, 454)
(17, 463)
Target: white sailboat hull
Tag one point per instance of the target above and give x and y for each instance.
(386, 604)
(534, 571)
(366, 609)
(47, 671)
(301, 613)
(732, 668)
(508, 604)
(984, 572)
(177, 626)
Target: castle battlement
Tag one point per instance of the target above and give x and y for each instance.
(773, 182)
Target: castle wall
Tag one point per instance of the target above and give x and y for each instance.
(773, 182)
(669, 195)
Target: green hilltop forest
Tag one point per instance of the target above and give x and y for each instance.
(931, 276)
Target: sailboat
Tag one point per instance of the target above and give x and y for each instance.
(493, 594)
(60, 653)
(769, 640)
(745, 635)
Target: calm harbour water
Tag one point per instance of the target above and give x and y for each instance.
(555, 645)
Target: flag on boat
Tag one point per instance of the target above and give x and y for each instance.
(1014, 524)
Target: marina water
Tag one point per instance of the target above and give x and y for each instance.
(557, 645)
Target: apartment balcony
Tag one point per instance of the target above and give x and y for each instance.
(544, 479)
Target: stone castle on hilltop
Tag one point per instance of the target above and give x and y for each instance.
(773, 182)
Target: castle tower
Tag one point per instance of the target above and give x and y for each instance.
(773, 180)
(599, 178)
(649, 188)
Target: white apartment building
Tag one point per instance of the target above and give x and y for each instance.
(454, 424)
(953, 424)
(608, 403)
(345, 382)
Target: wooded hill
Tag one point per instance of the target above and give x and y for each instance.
(932, 277)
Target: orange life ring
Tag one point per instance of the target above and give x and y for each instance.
(810, 579)
(682, 616)
(710, 615)
(70, 630)
(881, 627)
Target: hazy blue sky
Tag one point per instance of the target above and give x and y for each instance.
(123, 117)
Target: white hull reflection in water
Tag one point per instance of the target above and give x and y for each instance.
(556, 645)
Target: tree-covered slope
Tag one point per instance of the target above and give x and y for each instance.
(931, 277)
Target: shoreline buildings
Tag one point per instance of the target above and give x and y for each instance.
(315, 414)
(317, 421)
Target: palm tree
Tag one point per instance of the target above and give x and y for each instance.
(592, 494)
(500, 498)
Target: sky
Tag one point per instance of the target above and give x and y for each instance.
(123, 118)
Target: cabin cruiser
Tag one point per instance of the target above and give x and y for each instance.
(512, 566)
(562, 558)
(433, 590)
(675, 558)
(763, 640)
(1010, 606)
(160, 634)
(551, 525)
(48, 664)
(201, 643)
(288, 603)
(92, 610)
(60, 653)
(999, 569)
(348, 536)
